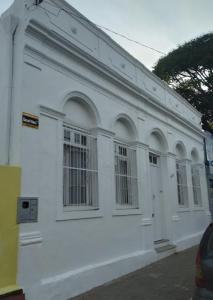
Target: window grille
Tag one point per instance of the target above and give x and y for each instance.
(196, 184)
(153, 159)
(126, 177)
(80, 171)
(182, 186)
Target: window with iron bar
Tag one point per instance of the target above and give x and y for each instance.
(80, 170)
(182, 186)
(196, 185)
(153, 159)
(126, 180)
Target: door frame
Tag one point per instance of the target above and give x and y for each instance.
(157, 164)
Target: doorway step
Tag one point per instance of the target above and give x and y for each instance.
(164, 248)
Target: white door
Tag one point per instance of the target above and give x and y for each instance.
(157, 200)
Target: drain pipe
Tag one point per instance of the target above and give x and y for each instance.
(13, 29)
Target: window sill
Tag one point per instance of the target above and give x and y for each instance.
(79, 209)
(126, 212)
(198, 208)
(78, 215)
(183, 209)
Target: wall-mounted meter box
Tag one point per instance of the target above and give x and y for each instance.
(27, 210)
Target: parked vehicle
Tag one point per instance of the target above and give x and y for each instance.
(204, 267)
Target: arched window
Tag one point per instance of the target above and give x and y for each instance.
(195, 171)
(80, 170)
(182, 184)
(126, 179)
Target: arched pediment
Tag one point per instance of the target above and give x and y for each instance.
(195, 155)
(125, 128)
(180, 150)
(80, 110)
(157, 140)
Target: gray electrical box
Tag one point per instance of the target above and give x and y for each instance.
(27, 210)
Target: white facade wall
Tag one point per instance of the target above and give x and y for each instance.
(59, 57)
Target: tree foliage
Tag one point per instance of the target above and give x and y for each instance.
(189, 70)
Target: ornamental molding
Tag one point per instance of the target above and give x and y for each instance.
(53, 39)
(30, 238)
(100, 34)
(51, 112)
(102, 131)
(146, 222)
(139, 144)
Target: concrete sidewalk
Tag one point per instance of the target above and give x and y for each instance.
(169, 279)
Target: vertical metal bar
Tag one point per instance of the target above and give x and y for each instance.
(89, 158)
(69, 186)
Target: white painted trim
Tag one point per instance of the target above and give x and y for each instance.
(198, 208)
(64, 69)
(138, 144)
(188, 241)
(169, 154)
(146, 222)
(76, 94)
(103, 131)
(61, 213)
(183, 209)
(78, 215)
(101, 34)
(30, 238)
(126, 212)
(107, 71)
(73, 283)
(175, 218)
(51, 112)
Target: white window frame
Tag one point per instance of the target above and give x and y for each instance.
(126, 177)
(154, 159)
(182, 184)
(196, 185)
(80, 170)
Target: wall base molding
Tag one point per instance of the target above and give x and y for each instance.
(73, 283)
(188, 241)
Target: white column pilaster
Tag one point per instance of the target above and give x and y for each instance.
(106, 180)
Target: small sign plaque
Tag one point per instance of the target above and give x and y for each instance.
(30, 120)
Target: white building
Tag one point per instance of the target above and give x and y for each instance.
(116, 162)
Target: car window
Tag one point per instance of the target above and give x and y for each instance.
(210, 245)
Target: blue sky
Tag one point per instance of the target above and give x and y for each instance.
(160, 24)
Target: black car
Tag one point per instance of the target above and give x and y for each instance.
(204, 267)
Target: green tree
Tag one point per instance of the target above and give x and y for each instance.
(189, 70)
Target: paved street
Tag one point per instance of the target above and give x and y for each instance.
(169, 279)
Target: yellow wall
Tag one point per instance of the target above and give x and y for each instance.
(9, 191)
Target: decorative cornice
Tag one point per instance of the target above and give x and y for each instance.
(101, 34)
(171, 155)
(43, 33)
(102, 131)
(157, 152)
(51, 112)
(30, 238)
(185, 160)
(139, 144)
